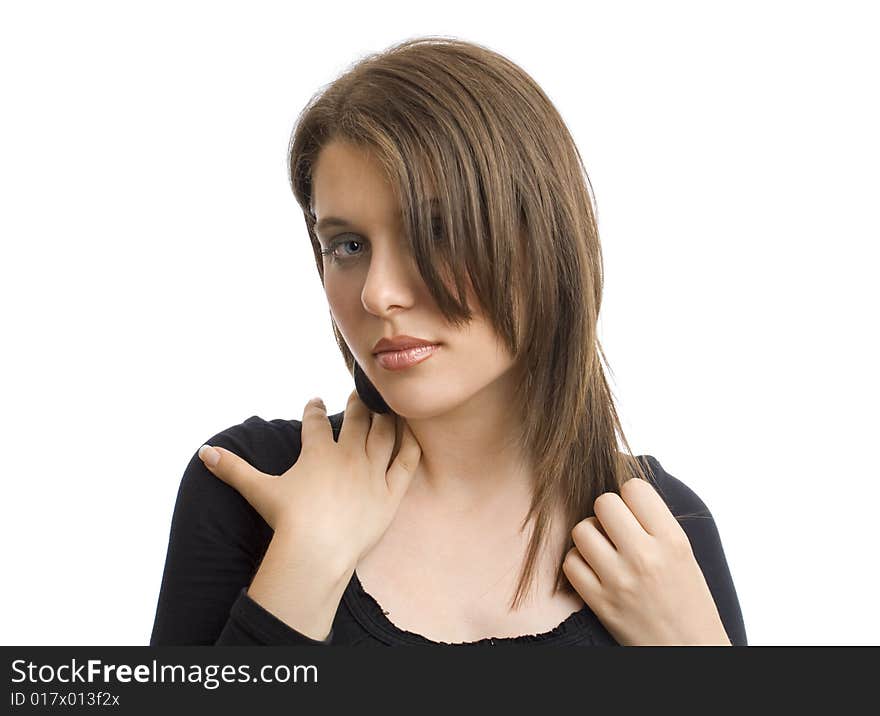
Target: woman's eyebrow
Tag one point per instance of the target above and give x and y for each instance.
(335, 221)
(328, 222)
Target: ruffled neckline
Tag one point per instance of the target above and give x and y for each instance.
(574, 629)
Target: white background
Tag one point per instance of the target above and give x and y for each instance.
(157, 283)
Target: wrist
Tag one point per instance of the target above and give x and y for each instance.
(299, 585)
(330, 558)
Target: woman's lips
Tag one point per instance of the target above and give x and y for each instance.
(401, 360)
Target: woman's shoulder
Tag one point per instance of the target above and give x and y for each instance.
(678, 496)
(702, 531)
(265, 444)
(271, 446)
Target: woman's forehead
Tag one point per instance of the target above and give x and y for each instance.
(346, 179)
(349, 179)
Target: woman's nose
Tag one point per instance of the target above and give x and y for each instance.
(389, 282)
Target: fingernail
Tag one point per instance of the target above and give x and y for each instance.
(319, 403)
(209, 455)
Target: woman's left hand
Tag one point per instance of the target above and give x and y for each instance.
(634, 567)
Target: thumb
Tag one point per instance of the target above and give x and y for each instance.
(234, 471)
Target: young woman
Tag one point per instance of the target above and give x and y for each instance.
(472, 491)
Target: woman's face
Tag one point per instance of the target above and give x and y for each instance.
(374, 290)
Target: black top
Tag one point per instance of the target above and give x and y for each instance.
(217, 541)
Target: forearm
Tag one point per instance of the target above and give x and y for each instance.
(301, 589)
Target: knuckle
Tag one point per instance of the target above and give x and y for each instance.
(625, 583)
(405, 463)
(346, 454)
(679, 543)
(647, 561)
(307, 449)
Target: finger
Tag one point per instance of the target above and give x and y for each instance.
(316, 428)
(582, 577)
(236, 473)
(595, 548)
(648, 507)
(355, 423)
(403, 468)
(380, 441)
(620, 525)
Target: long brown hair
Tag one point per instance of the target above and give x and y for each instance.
(458, 121)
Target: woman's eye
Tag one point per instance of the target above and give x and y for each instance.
(344, 250)
(343, 245)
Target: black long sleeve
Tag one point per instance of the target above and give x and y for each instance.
(216, 543)
(706, 543)
(251, 624)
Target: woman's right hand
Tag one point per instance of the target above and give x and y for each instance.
(338, 498)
